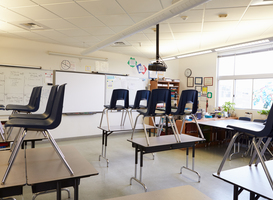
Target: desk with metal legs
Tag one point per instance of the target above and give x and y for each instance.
(17, 176)
(163, 143)
(106, 133)
(249, 178)
(45, 170)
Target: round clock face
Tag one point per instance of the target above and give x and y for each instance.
(65, 65)
(188, 72)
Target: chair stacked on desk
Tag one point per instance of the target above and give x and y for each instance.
(141, 95)
(117, 95)
(158, 96)
(42, 123)
(187, 97)
(258, 134)
(32, 106)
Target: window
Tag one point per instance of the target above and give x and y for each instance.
(246, 80)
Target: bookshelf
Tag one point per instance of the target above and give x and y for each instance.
(173, 85)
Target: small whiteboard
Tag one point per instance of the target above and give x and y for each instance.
(84, 92)
(133, 84)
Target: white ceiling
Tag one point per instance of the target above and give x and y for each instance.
(83, 23)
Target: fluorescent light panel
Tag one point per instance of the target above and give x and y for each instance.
(171, 58)
(194, 54)
(242, 45)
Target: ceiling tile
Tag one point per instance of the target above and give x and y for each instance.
(118, 29)
(18, 3)
(56, 23)
(225, 4)
(67, 10)
(100, 30)
(9, 27)
(186, 36)
(219, 26)
(259, 12)
(10, 16)
(137, 17)
(105, 7)
(232, 14)
(192, 16)
(87, 39)
(35, 13)
(186, 27)
(140, 6)
(51, 1)
(51, 34)
(116, 20)
(85, 22)
(74, 32)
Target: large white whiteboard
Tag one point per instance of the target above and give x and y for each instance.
(133, 84)
(84, 92)
(16, 84)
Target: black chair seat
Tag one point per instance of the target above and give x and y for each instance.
(48, 109)
(32, 106)
(2, 107)
(114, 108)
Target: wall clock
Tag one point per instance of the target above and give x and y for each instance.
(65, 65)
(188, 72)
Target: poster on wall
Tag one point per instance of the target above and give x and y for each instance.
(141, 68)
(132, 62)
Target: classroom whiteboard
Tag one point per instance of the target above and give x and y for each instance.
(16, 84)
(84, 92)
(133, 84)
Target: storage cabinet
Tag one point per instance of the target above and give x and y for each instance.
(172, 85)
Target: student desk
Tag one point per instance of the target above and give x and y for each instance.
(183, 192)
(32, 136)
(45, 170)
(162, 143)
(249, 178)
(17, 176)
(106, 133)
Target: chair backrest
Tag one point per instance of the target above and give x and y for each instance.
(159, 96)
(34, 100)
(119, 94)
(51, 99)
(57, 109)
(259, 120)
(268, 129)
(187, 96)
(245, 118)
(140, 96)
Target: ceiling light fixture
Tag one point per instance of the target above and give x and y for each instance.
(243, 45)
(194, 54)
(171, 11)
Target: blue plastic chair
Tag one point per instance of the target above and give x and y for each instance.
(258, 132)
(158, 96)
(32, 106)
(44, 125)
(187, 97)
(141, 95)
(117, 95)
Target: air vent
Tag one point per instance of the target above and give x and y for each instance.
(30, 25)
(120, 44)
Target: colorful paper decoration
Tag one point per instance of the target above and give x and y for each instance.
(209, 95)
(132, 62)
(141, 68)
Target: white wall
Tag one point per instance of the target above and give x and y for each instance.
(201, 66)
(30, 53)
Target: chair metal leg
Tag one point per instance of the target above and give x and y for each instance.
(255, 152)
(227, 152)
(145, 131)
(14, 156)
(8, 132)
(134, 127)
(106, 112)
(59, 152)
(199, 129)
(102, 116)
(160, 126)
(174, 129)
(130, 117)
(2, 132)
(263, 164)
(263, 149)
(122, 121)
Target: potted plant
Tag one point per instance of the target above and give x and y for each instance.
(228, 107)
(264, 113)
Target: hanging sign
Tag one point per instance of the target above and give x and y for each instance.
(132, 62)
